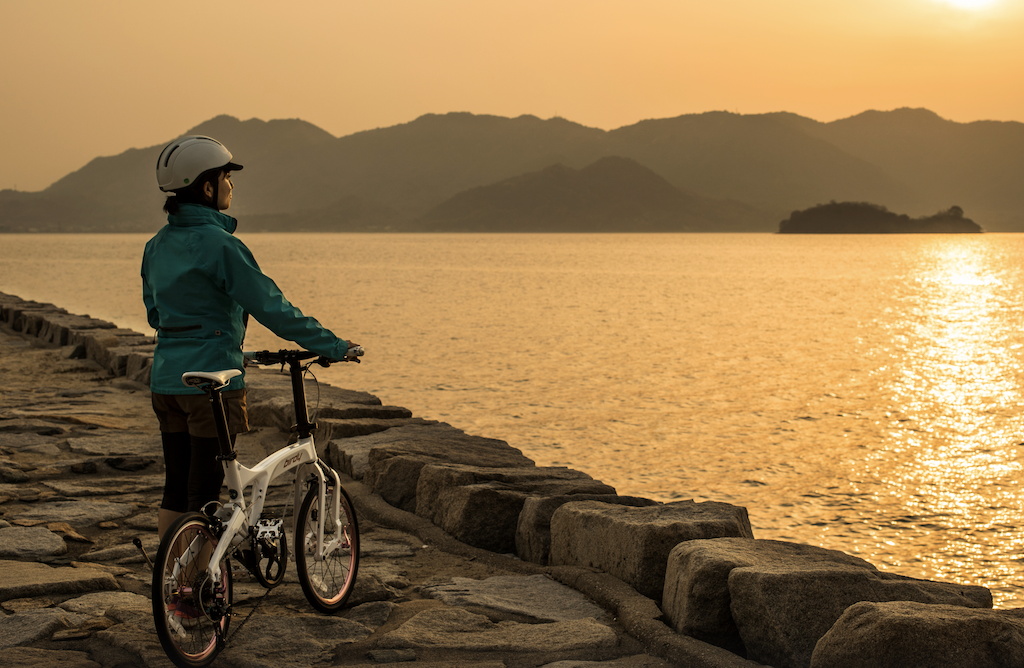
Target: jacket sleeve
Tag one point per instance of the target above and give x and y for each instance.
(262, 299)
(152, 315)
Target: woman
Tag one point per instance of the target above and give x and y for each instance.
(200, 284)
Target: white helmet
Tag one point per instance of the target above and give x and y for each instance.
(184, 159)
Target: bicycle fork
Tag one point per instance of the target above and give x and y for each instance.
(319, 477)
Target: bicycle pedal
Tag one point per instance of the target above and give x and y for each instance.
(268, 528)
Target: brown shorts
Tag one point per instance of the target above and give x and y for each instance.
(192, 413)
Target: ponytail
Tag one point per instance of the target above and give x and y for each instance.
(171, 204)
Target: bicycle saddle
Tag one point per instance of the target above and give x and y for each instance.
(219, 378)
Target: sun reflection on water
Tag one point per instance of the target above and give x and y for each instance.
(950, 455)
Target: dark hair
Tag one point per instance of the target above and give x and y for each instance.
(193, 193)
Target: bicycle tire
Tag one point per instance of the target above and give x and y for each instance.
(190, 613)
(327, 584)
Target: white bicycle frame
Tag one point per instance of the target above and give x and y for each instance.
(237, 516)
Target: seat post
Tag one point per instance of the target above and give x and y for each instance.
(220, 420)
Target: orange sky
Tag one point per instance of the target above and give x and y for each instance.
(86, 78)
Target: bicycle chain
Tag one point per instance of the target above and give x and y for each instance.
(254, 608)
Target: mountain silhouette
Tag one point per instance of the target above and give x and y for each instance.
(755, 168)
(613, 194)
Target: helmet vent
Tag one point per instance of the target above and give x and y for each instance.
(170, 153)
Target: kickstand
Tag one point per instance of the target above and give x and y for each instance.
(138, 543)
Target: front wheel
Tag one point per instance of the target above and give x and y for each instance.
(190, 609)
(327, 581)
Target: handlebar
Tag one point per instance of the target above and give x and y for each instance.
(269, 357)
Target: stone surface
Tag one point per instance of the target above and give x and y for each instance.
(19, 441)
(31, 625)
(12, 476)
(453, 627)
(640, 661)
(481, 505)
(84, 630)
(331, 428)
(22, 579)
(533, 529)
(96, 604)
(372, 615)
(111, 347)
(904, 634)
(113, 443)
(125, 552)
(32, 657)
(20, 604)
(388, 549)
(390, 573)
(396, 656)
(415, 446)
(633, 544)
(339, 420)
(696, 597)
(138, 365)
(782, 612)
(132, 642)
(57, 328)
(30, 543)
(31, 425)
(534, 598)
(297, 641)
(96, 486)
(351, 456)
(76, 513)
(370, 589)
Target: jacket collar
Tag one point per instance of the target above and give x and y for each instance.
(190, 215)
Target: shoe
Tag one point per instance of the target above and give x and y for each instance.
(184, 612)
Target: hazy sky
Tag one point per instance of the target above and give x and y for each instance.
(81, 78)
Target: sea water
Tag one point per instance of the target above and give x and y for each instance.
(862, 393)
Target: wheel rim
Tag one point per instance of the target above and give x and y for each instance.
(330, 578)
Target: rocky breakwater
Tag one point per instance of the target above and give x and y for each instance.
(472, 554)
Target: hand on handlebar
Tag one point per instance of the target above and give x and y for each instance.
(355, 351)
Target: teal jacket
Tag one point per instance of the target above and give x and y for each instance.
(198, 283)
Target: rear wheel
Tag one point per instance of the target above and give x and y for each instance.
(328, 581)
(190, 609)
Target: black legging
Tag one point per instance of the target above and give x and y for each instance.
(193, 475)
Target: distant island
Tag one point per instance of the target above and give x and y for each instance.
(867, 218)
